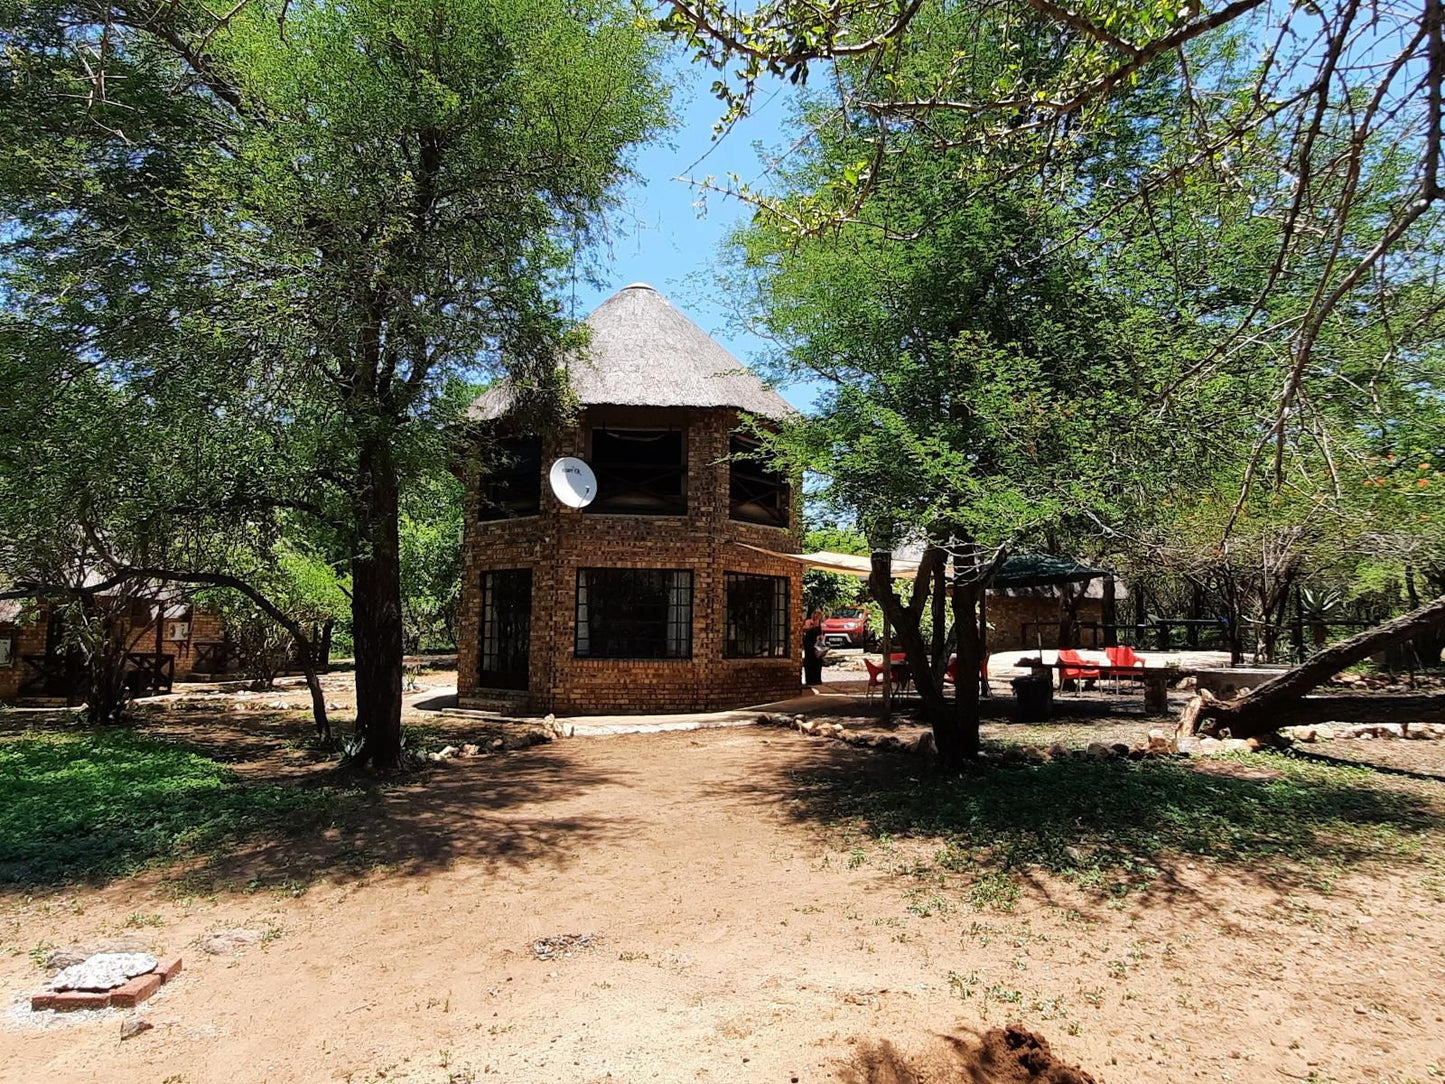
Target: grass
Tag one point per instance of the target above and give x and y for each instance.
(87, 806)
(1115, 826)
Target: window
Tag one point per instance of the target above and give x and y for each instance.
(513, 487)
(7, 651)
(178, 630)
(640, 472)
(757, 617)
(634, 613)
(506, 628)
(757, 492)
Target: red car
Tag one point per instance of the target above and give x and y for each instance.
(846, 628)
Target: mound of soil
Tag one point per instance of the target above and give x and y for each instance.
(1015, 1055)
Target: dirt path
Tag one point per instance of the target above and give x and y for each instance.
(734, 939)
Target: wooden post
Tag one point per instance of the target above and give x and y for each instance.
(1110, 614)
(982, 639)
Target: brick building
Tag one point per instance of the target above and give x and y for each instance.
(170, 637)
(666, 592)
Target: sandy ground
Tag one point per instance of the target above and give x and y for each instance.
(734, 938)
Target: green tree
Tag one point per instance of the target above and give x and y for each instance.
(331, 207)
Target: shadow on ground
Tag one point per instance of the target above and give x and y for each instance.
(1116, 826)
(1009, 1055)
(91, 806)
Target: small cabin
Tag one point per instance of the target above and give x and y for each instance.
(667, 592)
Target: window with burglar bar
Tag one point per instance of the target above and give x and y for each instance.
(757, 617)
(513, 487)
(634, 613)
(757, 492)
(640, 472)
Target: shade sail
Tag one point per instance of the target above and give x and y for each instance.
(1019, 570)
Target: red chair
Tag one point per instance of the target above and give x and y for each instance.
(875, 675)
(950, 674)
(1072, 667)
(900, 676)
(1123, 664)
(1123, 656)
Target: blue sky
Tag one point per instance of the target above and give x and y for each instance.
(662, 239)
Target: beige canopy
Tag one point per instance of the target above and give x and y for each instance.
(850, 564)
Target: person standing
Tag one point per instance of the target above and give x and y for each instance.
(812, 659)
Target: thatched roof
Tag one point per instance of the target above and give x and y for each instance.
(644, 352)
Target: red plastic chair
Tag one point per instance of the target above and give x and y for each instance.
(1074, 668)
(1123, 656)
(875, 675)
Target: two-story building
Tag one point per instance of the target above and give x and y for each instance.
(665, 593)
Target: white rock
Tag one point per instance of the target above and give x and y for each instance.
(104, 971)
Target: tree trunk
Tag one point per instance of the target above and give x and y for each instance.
(1260, 710)
(323, 649)
(966, 592)
(376, 609)
(904, 621)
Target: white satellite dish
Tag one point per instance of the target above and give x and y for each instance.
(573, 482)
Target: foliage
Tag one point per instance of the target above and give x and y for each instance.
(284, 230)
(106, 804)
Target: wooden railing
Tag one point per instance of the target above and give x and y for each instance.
(149, 674)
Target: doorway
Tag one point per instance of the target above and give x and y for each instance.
(506, 629)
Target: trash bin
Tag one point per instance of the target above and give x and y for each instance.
(1032, 694)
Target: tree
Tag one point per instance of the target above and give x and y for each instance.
(331, 207)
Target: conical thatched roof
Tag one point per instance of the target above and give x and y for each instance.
(644, 352)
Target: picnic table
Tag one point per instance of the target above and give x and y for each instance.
(1155, 679)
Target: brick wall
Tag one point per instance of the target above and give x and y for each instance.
(28, 638)
(30, 634)
(560, 540)
(1006, 613)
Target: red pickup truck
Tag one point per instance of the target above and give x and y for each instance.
(846, 628)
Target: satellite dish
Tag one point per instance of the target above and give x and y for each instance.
(573, 482)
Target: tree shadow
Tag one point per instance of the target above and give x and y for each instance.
(1008, 1055)
(81, 806)
(1120, 827)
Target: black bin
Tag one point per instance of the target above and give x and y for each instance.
(1032, 694)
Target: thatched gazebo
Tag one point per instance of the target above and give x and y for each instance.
(664, 594)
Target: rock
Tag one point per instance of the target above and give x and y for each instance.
(103, 971)
(446, 751)
(225, 942)
(67, 957)
(498, 743)
(1208, 746)
(1389, 730)
(132, 1026)
(1057, 751)
(1324, 733)
(806, 728)
(924, 746)
(1236, 745)
(1097, 750)
(1189, 744)
(1121, 749)
(470, 750)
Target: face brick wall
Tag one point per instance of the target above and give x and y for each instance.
(30, 634)
(1007, 613)
(560, 540)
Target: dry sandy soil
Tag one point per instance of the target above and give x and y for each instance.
(740, 931)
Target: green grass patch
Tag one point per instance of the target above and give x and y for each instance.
(85, 806)
(1117, 825)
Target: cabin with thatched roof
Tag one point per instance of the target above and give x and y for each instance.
(665, 593)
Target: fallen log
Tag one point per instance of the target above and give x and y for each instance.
(1360, 708)
(1267, 707)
